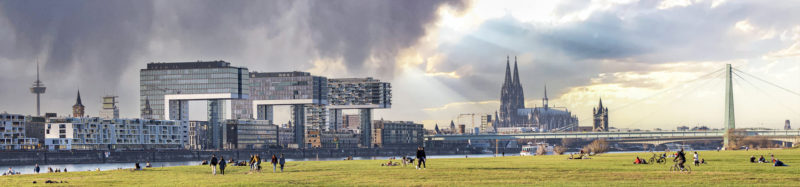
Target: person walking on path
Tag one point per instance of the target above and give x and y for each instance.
(274, 162)
(36, 168)
(213, 164)
(421, 158)
(282, 162)
(222, 164)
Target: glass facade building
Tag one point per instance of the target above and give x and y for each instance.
(183, 78)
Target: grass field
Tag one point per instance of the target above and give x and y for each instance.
(727, 168)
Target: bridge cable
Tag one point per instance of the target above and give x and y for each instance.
(669, 89)
(765, 93)
(703, 84)
(770, 83)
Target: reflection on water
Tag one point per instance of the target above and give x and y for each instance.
(28, 169)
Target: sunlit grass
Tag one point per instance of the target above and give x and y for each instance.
(727, 168)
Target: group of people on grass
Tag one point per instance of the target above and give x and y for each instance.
(255, 163)
(773, 160)
(421, 159)
(679, 157)
(582, 155)
(36, 169)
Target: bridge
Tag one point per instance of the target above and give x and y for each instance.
(660, 137)
(653, 137)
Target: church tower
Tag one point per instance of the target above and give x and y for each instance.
(600, 117)
(506, 98)
(78, 108)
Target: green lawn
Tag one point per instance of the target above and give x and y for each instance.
(727, 168)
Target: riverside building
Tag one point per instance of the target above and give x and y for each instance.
(110, 134)
(12, 133)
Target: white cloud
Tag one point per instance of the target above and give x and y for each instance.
(667, 4)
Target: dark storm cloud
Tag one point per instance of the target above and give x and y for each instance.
(97, 36)
(357, 30)
(92, 44)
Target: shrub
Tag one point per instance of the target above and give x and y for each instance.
(559, 149)
(597, 146)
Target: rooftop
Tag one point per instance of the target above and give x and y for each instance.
(187, 65)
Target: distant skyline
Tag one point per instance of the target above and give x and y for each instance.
(443, 58)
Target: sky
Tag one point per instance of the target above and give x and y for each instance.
(654, 63)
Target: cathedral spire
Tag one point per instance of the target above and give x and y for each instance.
(519, 95)
(78, 101)
(545, 100)
(601, 103)
(516, 73)
(508, 81)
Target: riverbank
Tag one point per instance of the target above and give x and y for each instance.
(725, 168)
(12, 158)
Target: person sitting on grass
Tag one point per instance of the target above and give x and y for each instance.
(637, 161)
(762, 159)
(753, 159)
(703, 161)
(779, 163)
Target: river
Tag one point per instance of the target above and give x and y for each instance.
(28, 169)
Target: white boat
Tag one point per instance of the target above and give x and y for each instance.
(531, 149)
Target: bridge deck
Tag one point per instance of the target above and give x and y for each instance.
(612, 135)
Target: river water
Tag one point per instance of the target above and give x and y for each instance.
(28, 169)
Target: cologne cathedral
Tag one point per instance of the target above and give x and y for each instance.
(514, 114)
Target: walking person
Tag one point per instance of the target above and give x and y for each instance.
(222, 164)
(274, 162)
(252, 162)
(213, 164)
(282, 162)
(258, 162)
(696, 159)
(36, 169)
(421, 158)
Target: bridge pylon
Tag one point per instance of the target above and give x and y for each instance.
(730, 118)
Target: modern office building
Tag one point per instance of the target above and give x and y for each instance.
(199, 133)
(286, 137)
(111, 134)
(304, 93)
(167, 88)
(363, 94)
(351, 122)
(12, 133)
(109, 109)
(250, 134)
(487, 123)
(397, 134)
(339, 139)
(34, 128)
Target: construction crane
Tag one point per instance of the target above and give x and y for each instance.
(472, 124)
